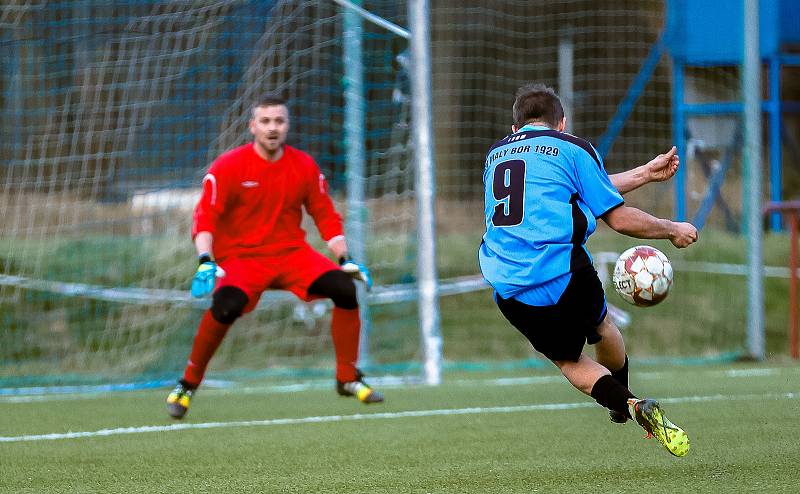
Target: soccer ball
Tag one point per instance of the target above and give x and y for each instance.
(643, 276)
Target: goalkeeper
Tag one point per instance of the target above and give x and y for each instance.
(544, 190)
(248, 238)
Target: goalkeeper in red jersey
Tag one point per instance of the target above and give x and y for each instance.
(248, 238)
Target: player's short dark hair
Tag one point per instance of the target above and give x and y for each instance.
(269, 99)
(537, 103)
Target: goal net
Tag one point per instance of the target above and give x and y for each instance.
(110, 113)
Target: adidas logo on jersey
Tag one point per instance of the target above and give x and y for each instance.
(249, 184)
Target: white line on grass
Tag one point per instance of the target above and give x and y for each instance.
(721, 373)
(750, 372)
(510, 381)
(371, 416)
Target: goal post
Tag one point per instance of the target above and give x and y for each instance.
(425, 182)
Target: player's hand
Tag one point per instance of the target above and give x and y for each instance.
(205, 277)
(356, 271)
(683, 235)
(664, 166)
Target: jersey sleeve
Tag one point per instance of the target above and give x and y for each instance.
(320, 205)
(593, 184)
(213, 199)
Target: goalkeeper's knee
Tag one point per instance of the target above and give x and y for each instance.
(228, 304)
(345, 296)
(338, 286)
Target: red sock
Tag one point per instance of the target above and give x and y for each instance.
(345, 330)
(209, 335)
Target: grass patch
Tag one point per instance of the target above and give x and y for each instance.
(741, 446)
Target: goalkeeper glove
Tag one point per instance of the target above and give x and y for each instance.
(204, 278)
(355, 270)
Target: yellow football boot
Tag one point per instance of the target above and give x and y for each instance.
(178, 400)
(649, 415)
(358, 388)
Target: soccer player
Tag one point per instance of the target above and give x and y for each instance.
(248, 239)
(544, 190)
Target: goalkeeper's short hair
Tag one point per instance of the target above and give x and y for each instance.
(269, 99)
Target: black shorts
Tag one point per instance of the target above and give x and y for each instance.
(559, 331)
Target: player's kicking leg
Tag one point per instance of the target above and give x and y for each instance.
(593, 379)
(610, 353)
(560, 333)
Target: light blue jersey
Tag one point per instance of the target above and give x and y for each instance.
(543, 191)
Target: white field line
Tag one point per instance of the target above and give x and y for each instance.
(373, 416)
(730, 373)
(225, 387)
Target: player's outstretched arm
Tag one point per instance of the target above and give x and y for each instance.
(661, 168)
(638, 224)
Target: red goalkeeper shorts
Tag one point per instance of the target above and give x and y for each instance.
(293, 270)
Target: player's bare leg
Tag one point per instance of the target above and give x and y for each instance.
(582, 374)
(610, 350)
(648, 413)
(596, 380)
(610, 356)
(610, 353)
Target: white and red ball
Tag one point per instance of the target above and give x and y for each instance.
(643, 276)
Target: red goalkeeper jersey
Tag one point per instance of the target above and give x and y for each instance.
(254, 207)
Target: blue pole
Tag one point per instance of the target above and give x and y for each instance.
(679, 138)
(775, 152)
(629, 101)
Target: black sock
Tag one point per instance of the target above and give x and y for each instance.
(187, 384)
(621, 375)
(612, 394)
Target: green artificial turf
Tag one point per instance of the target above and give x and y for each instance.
(742, 421)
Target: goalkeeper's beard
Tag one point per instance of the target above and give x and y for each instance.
(271, 149)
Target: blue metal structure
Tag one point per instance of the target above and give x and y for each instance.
(715, 180)
(707, 33)
(634, 91)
